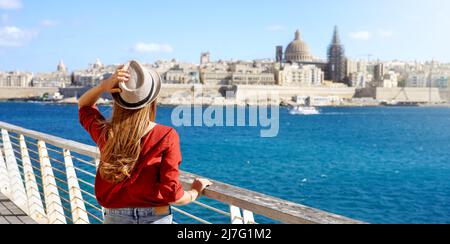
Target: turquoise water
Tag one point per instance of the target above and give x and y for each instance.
(380, 165)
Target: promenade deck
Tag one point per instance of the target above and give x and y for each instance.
(11, 214)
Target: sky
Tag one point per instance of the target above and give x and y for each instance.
(36, 34)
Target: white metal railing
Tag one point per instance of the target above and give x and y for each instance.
(52, 180)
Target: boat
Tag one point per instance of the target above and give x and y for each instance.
(400, 104)
(307, 109)
(55, 97)
(301, 110)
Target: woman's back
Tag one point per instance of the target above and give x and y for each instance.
(154, 181)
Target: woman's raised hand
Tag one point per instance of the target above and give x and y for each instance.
(111, 84)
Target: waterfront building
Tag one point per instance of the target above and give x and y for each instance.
(440, 80)
(351, 67)
(336, 67)
(182, 75)
(87, 78)
(378, 73)
(358, 79)
(58, 79)
(362, 66)
(215, 77)
(356, 73)
(417, 80)
(174, 72)
(252, 73)
(220, 65)
(162, 66)
(266, 65)
(93, 75)
(215, 73)
(390, 80)
(258, 72)
(253, 79)
(279, 54)
(355, 66)
(420, 74)
(300, 75)
(51, 80)
(16, 79)
(205, 58)
(246, 67)
(423, 79)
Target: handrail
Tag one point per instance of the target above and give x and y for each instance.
(268, 206)
(53, 140)
(271, 207)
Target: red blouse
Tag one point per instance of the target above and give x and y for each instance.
(155, 181)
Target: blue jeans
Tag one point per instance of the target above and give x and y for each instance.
(136, 216)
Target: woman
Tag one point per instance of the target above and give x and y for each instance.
(138, 175)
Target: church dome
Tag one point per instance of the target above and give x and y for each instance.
(298, 50)
(98, 64)
(61, 67)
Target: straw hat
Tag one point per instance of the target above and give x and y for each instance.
(142, 89)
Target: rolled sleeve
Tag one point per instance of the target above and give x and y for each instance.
(91, 119)
(170, 186)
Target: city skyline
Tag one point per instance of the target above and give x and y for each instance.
(34, 37)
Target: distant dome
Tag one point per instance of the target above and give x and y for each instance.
(61, 67)
(98, 64)
(298, 50)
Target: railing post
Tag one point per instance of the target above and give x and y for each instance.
(17, 190)
(248, 217)
(55, 210)
(79, 214)
(97, 164)
(35, 205)
(4, 179)
(236, 216)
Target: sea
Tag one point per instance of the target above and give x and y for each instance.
(374, 164)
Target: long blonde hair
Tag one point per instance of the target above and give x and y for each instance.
(122, 147)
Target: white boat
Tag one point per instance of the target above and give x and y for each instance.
(53, 97)
(301, 110)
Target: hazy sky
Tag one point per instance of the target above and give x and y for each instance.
(36, 34)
